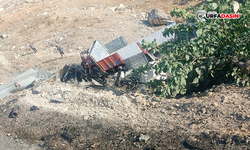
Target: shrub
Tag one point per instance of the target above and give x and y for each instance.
(218, 54)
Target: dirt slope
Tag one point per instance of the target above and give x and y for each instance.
(102, 118)
(73, 25)
(106, 119)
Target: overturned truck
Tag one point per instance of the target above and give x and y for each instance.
(112, 64)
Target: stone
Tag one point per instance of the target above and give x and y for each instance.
(58, 99)
(158, 17)
(28, 1)
(94, 7)
(112, 8)
(210, 94)
(144, 138)
(120, 7)
(66, 137)
(45, 13)
(224, 99)
(144, 15)
(215, 104)
(33, 108)
(14, 112)
(139, 99)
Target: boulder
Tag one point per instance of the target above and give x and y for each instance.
(158, 17)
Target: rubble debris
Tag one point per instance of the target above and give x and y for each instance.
(33, 108)
(24, 80)
(34, 91)
(120, 7)
(94, 146)
(58, 99)
(66, 137)
(33, 47)
(14, 112)
(12, 101)
(28, 1)
(1, 36)
(158, 17)
(144, 138)
(46, 138)
(16, 84)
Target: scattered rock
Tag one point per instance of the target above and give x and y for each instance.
(120, 7)
(94, 7)
(144, 15)
(28, 1)
(140, 100)
(95, 145)
(235, 95)
(34, 91)
(144, 138)
(210, 94)
(33, 108)
(224, 99)
(14, 112)
(191, 143)
(45, 13)
(158, 17)
(66, 137)
(58, 99)
(215, 104)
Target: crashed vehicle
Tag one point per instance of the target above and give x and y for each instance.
(112, 64)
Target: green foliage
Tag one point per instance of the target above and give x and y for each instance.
(209, 56)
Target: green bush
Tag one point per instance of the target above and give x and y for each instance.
(218, 54)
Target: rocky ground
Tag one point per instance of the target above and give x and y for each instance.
(62, 116)
(65, 116)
